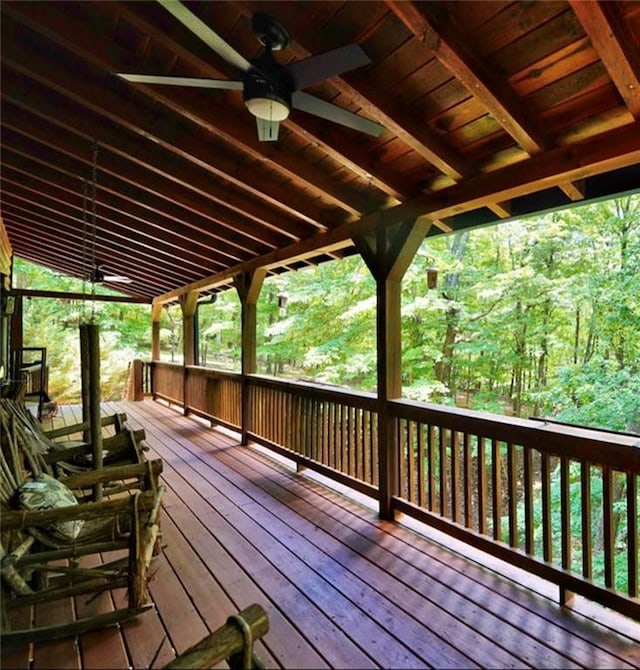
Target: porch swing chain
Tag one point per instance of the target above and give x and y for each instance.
(85, 273)
(94, 198)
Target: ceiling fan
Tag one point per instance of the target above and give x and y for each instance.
(270, 90)
(99, 276)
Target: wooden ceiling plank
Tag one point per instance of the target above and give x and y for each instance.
(168, 230)
(108, 222)
(160, 130)
(611, 39)
(349, 154)
(451, 49)
(372, 103)
(66, 31)
(107, 227)
(35, 218)
(35, 166)
(26, 231)
(161, 176)
(613, 150)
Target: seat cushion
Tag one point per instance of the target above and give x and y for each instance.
(45, 492)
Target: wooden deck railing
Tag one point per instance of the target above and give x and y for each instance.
(551, 499)
(558, 501)
(332, 430)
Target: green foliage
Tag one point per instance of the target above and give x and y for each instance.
(125, 332)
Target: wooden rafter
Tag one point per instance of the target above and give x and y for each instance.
(611, 39)
(445, 41)
(71, 34)
(617, 149)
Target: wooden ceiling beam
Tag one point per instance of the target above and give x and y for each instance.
(67, 31)
(160, 131)
(352, 155)
(34, 237)
(373, 103)
(109, 204)
(107, 227)
(188, 188)
(206, 229)
(73, 295)
(614, 44)
(434, 27)
(610, 151)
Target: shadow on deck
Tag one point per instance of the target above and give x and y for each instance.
(342, 589)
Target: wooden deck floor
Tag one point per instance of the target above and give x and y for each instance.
(342, 588)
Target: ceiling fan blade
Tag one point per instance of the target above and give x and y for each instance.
(118, 279)
(182, 81)
(205, 33)
(267, 130)
(329, 64)
(325, 110)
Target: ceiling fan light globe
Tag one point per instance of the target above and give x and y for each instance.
(269, 109)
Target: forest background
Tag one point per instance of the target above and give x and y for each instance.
(539, 317)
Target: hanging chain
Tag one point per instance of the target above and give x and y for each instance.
(85, 271)
(94, 199)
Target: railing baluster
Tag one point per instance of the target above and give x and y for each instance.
(411, 462)
(366, 446)
(545, 476)
(482, 487)
(607, 519)
(431, 447)
(585, 500)
(443, 462)
(565, 525)
(468, 482)
(421, 474)
(512, 481)
(455, 477)
(632, 534)
(373, 437)
(358, 444)
(496, 501)
(528, 500)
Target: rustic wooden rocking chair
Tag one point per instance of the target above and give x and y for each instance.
(43, 545)
(120, 446)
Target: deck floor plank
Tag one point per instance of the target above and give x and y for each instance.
(190, 490)
(531, 651)
(341, 587)
(438, 580)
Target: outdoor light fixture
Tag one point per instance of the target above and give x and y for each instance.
(432, 277)
(7, 304)
(268, 108)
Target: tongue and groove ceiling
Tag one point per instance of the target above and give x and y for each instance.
(490, 109)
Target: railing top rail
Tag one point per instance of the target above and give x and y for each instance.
(213, 372)
(338, 394)
(616, 450)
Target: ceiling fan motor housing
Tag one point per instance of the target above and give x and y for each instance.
(268, 80)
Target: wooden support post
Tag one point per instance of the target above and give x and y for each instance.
(388, 253)
(189, 306)
(156, 311)
(248, 286)
(90, 365)
(16, 325)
